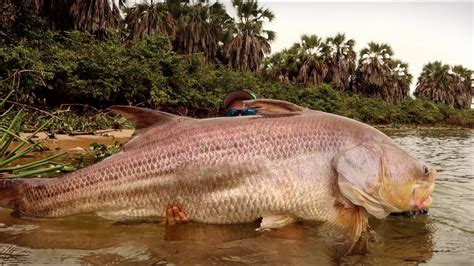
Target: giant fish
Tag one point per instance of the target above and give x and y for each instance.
(287, 163)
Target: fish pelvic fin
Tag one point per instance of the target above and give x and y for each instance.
(349, 224)
(275, 221)
(9, 192)
(274, 108)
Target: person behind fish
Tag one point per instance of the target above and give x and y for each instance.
(233, 105)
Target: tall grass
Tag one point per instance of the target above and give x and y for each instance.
(14, 147)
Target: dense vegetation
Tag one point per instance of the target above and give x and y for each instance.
(182, 72)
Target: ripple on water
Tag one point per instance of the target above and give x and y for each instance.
(452, 154)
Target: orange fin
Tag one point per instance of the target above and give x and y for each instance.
(350, 223)
(274, 108)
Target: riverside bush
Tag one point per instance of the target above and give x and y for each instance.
(78, 68)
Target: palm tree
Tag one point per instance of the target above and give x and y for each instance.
(341, 61)
(249, 42)
(56, 12)
(94, 16)
(304, 63)
(312, 55)
(284, 65)
(443, 84)
(146, 19)
(274, 67)
(221, 20)
(373, 71)
(434, 83)
(200, 29)
(461, 87)
(400, 80)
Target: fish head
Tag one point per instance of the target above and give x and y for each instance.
(383, 178)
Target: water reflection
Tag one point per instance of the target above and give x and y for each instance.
(445, 235)
(89, 239)
(397, 239)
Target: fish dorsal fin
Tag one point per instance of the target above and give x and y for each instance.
(274, 108)
(144, 118)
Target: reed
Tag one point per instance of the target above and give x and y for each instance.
(14, 147)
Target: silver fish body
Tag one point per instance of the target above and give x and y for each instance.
(220, 171)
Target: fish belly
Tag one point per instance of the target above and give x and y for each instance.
(239, 193)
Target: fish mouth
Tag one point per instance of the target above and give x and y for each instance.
(421, 196)
(391, 197)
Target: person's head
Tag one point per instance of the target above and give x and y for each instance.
(234, 103)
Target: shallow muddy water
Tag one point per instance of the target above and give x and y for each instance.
(444, 236)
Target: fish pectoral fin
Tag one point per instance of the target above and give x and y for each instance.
(349, 224)
(275, 221)
(274, 108)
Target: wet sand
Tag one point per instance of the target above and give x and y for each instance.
(82, 142)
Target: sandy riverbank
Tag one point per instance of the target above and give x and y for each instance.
(67, 142)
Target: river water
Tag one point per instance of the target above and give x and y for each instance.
(444, 236)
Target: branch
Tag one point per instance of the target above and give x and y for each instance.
(79, 104)
(34, 108)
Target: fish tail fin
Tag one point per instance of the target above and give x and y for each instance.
(9, 192)
(349, 224)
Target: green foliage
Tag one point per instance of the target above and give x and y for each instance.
(19, 23)
(78, 68)
(14, 148)
(97, 152)
(371, 110)
(88, 122)
(101, 151)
